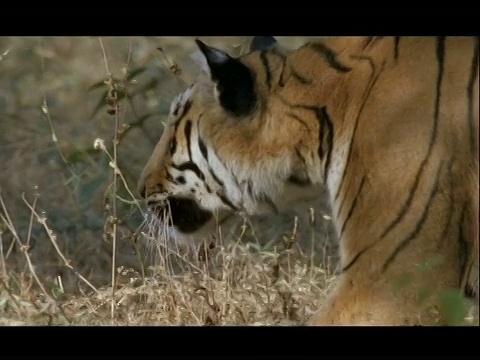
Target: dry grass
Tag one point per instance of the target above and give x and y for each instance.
(234, 287)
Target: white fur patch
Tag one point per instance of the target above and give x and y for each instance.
(201, 61)
(180, 100)
(337, 168)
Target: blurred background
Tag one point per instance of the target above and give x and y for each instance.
(52, 108)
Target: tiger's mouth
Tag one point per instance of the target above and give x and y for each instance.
(182, 213)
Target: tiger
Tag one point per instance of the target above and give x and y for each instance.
(388, 126)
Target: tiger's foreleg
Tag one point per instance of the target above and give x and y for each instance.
(357, 302)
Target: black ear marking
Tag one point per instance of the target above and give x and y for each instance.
(263, 43)
(235, 83)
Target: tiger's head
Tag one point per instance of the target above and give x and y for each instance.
(231, 145)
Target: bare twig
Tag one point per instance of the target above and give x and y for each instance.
(53, 238)
(46, 112)
(30, 224)
(2, 256)
(115, 108)
(24, 248)
(104, 54)
(99, 144)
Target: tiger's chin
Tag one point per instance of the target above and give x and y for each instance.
(183, 214)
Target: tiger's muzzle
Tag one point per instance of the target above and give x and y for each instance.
(182, 213)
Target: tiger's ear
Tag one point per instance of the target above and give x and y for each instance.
(263, 43)
(234, 81)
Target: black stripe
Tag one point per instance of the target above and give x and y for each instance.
(178, 180)
(296, 178)
(212, 150)
(187, 131)
(368, 41)
(190, 166)
(235, 179)
(227, 202)
(266, 199)
(170, 178)
(441, 65)
(225, 167)
(298, 106)
(330, 56)
(450, 213)
(215, 177)
(451, 206)
(173, 145)
(175, 111)
(346, 192)
(299, 120)
(352, 207)
(302, 158)
(364, 101)
(395, 47)
(356, 257)
(325, 138)
(418, 227)
(266, 67)
(408, 202)
(300, 78)
(283, 59)
(203, 148)
(471, 100)
(186, 108)
(371, 40)
(250, 189)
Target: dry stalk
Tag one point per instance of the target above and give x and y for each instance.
(2, 256)
(53, 239)
(99, 144)
(46, 112)
(30, 224)
(312, 240)
(114, 109)
(23, 248)
(282, 288)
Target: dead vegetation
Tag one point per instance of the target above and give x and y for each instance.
(237, 286)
